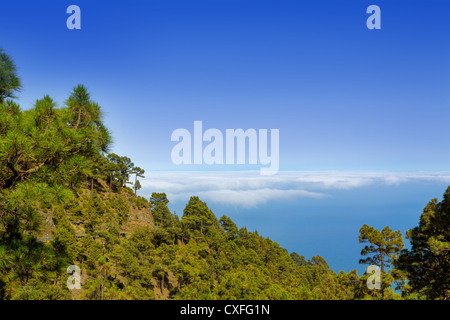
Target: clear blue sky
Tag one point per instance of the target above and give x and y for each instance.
(344, 97)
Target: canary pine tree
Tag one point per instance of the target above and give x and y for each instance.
(384, 247)
(427, 263)
(9, 81)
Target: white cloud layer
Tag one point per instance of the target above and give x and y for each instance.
(249, 188)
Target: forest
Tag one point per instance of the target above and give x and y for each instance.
(66, 199)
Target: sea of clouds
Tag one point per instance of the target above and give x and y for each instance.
(250, 189)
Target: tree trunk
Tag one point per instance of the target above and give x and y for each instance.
(162, 284)
(79, 117)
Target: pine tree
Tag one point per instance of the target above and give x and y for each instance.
(383, 250)
(427, 263)
(9, 81)
(229, 226)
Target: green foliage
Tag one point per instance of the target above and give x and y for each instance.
(427, 263)
(121, 208)
(197, 218)
(383, 246)
(32, 267)
(298, 259)
(122, 168)
(137, 186)
(65, 239)
(229, 226)
(9, 81)
(141, 202)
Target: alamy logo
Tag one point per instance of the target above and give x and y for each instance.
(74, 281)
(74, 20)
(374, 281)
(374, 21)
(235, 147)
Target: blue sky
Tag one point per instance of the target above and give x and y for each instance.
(344, 98)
